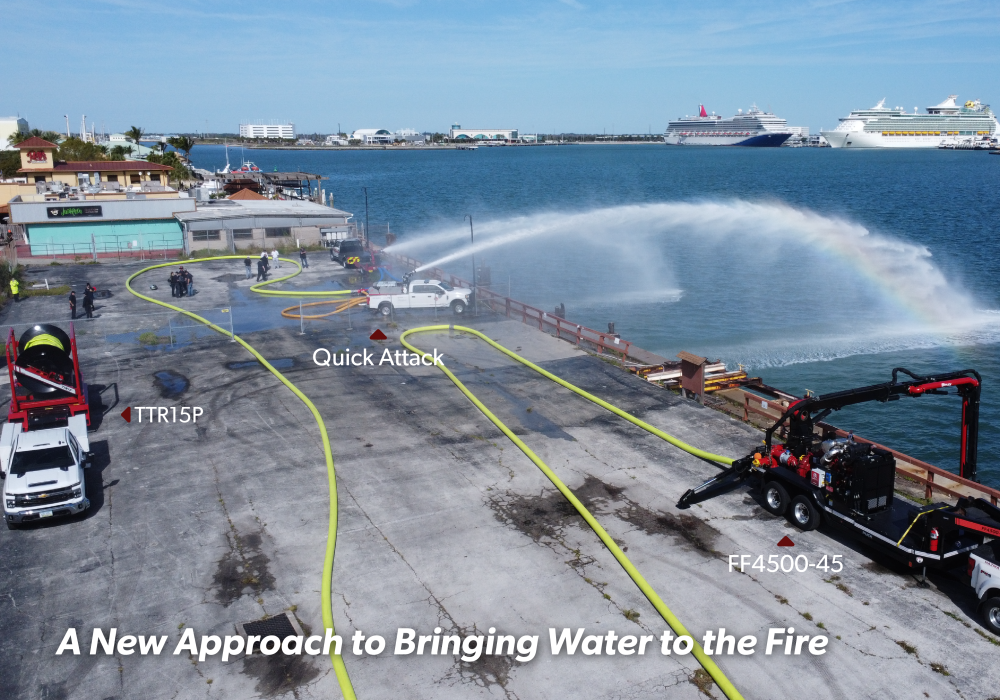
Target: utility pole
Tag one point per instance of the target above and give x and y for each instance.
(472, 239)
(367, 239)
(67, 125)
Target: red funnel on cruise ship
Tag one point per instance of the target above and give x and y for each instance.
(702, 113)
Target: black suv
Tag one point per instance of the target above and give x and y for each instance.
(351, 252)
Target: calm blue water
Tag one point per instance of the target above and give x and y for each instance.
(819, 269)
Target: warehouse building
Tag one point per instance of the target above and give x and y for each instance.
(248, 221)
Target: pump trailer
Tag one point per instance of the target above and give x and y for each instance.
(816, 477)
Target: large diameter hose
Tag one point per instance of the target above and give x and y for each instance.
(331, 541)
(668, 616)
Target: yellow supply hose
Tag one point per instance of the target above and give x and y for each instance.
(44, 339)
(675, 624)
(326, 589)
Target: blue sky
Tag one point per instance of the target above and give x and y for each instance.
(543, 66)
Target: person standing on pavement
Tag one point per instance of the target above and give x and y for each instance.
(274, 257)
(248, 263)
(88, 300)
(15, 288)
(72, 305)
(189, 281)
(266, 260)
(262, 270)
(302, 257)
(173, 283)
(181, 282)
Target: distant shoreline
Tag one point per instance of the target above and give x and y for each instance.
(448, 147)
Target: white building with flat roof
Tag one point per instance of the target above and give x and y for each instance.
(458, 133)
(8, 127)
(267, 131)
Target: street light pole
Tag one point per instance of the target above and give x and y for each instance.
(472, 238)
(366, 215)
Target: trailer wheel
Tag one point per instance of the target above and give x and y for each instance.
(990, 610)
(803, 514)
(458, 308)
(775, 498)
(385, 308)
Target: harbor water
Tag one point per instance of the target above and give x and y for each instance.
(818, 269)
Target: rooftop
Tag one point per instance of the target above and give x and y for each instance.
(229, 208)
(92, 166)
(35, 142)
(246, 194)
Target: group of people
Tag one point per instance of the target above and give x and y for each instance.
(88, 301)
(181, 283)
(264, 263)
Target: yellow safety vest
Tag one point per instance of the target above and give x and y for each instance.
(14, 286)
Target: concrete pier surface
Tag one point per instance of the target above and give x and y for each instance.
(443, 523)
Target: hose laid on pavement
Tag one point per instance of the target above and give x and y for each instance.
(706, 661)
(331, 542)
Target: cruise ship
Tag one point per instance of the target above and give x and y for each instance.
(753, 128)
(881, 127)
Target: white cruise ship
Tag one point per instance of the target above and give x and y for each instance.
(881, 127)
(753, 128)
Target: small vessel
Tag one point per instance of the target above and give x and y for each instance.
(753, 128)
(881, 127)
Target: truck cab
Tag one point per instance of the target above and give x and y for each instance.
(418, 294)
(984, 570)
(43, 471)
(351, 252)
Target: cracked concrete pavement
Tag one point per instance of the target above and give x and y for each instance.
(443, 523)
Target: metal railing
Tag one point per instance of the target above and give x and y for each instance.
(543, 320)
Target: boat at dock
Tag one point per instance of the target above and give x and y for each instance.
(882, 127)
(753, 128)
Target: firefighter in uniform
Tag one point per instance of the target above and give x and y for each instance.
(15, 288)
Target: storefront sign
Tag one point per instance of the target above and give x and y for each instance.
(65, 212)
(36, 157)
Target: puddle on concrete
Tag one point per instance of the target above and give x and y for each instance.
(547, 514)
(242, 570)
(170, 383)
(279, 363)
(279, 674)
(486, 671)
(684, 527)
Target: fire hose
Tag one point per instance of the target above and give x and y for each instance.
(331, 541)
(337, 660)
(668, 616)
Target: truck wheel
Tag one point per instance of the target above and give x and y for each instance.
(12, 525)
(385, 308)
(458, 308)
(990, 610)
(775, 498)
(803, 514)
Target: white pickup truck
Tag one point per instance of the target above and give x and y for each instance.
(42, 471)
(418, 294)
(984, 568)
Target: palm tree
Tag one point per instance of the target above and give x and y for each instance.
(135, 134)
(182, 143)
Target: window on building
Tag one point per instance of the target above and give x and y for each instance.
(283, 232)
(39, 178)
(134, 178)
(206, 235)
(154, 177)
(242, 233)
(111, 178)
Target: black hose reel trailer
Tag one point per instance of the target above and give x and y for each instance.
(46, 386)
